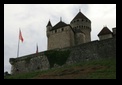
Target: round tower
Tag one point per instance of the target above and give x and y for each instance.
(81, 22)
(49, 27)
(79, 37)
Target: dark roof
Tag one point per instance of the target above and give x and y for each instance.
(105, 31)
(59, 25)
(80, 16)
(49, 24)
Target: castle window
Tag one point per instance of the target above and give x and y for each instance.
(74, 21)
(77, 20)
(38, 68)
(17, 69)
(82, 19)
(86, 20)
(55, 31)
(62, 29)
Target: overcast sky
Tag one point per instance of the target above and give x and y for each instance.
(33, 18)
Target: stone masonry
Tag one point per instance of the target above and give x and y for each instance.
(80, 53)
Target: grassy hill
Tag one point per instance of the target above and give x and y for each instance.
(95, 69)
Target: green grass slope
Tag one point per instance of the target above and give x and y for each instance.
(95, 69)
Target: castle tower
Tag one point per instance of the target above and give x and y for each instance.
(49, 27)
(105, 33)
(79, 37)
(82, 23)
(60, 35)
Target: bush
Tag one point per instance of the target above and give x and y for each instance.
(57, 57)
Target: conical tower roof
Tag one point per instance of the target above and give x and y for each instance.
(49, 23)
(80, 16)
(105, 31)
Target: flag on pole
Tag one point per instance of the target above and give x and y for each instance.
(37, 49)
(20, 36)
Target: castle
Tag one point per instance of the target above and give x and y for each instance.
(74, 45)
(77, 32)
(67, 35)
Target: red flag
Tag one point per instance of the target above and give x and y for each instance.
(20, 36)
(37, 49)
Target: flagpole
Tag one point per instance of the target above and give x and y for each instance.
(36, 48)
(18, 45)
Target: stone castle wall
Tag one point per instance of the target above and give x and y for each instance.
(93, 50)
(84, 52)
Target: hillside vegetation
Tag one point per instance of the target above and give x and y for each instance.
(95, 69)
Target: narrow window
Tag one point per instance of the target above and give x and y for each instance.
(62, 29)
(38, 68)
(17, 69)
(55, 31)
